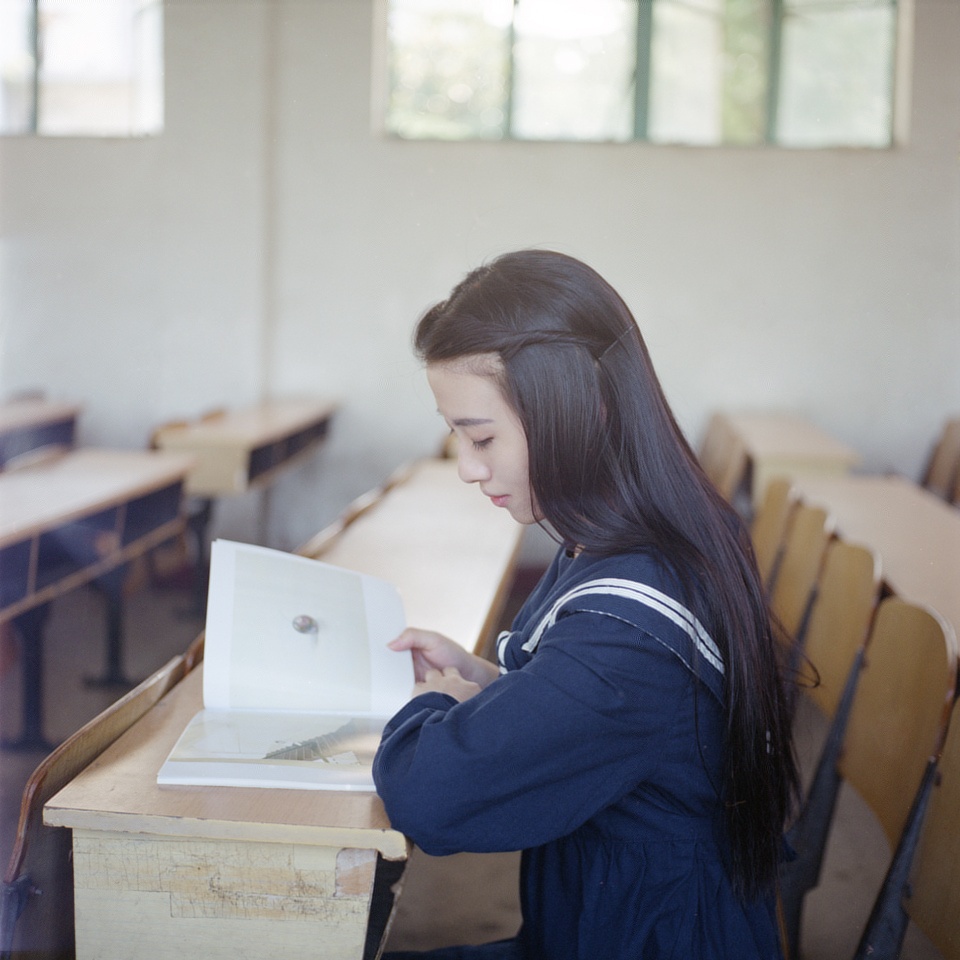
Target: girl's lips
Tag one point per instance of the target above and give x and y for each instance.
(500, 501)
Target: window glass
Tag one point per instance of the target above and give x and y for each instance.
(574, 69)
(686, 76)
(746, 70)
(836, 76)
(17, 66)
(98, 69)
(804, 73)
(449, 66)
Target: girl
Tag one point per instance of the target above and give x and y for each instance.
(634, 740)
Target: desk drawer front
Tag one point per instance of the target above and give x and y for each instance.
(148, 513)
(164, 897)
(269, 456)
(77, 545)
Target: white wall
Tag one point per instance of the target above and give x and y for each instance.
(270, 243)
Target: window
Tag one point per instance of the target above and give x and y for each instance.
(77, 68)
(803, 73)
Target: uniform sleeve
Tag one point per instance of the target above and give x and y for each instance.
(539, 751)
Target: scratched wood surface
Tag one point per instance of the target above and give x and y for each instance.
(225, 899)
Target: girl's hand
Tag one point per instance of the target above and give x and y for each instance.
(434, 652)
(447, 681)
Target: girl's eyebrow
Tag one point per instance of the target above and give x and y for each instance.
(469, 422)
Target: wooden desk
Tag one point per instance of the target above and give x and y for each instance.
(457, 545)
(33, 424)
(916, 534)
(241, 450)
(781, 443)
(219, 872)
(69, 520)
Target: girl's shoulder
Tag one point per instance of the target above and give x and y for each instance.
(638, 589)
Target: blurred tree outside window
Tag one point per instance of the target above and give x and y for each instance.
(81, 67)
(798, 73)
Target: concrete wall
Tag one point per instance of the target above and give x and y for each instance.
(272, 241)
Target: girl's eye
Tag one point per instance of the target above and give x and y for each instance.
(481, 444)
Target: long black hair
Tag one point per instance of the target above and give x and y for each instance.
(610, 471)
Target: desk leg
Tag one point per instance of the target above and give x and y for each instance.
(198, 523)
(386, 889)
(30, 626)
(110, 585)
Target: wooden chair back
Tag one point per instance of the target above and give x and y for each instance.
(933, 899)
(846, 599)
(900, 711)
(193, 655)
(808, 533)
(943, 467)
(769, 526)
(36, 911)
(723, 456)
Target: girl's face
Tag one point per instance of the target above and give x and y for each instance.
(492, 444)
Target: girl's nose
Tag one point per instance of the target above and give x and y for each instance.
(470, 468)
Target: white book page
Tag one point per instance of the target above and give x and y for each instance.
(275, 749)
(256, 658)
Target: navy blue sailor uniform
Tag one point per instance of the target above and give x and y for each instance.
(598, 752)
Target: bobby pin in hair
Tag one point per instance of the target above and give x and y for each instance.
(625, 333)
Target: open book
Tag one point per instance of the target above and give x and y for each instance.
(297, 679)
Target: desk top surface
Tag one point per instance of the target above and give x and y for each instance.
(916, 534)
(786, 435)
(442, 543)
(34, 412)
(78, 483)
(448, 552)
(259, 424)
(119, 791)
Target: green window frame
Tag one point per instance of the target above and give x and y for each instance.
(796, 73)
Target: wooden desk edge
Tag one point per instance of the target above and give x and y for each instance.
(391, 844)
(171, 468)
(201, 433)
(84, 575)
(17, 414)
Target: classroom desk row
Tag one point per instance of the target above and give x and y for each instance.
(35, 423)
(73, 519)
(742, 451)
(208, 871)
(69, 517)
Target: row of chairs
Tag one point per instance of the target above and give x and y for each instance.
(883, 672)
(723, 457)
(941, 475)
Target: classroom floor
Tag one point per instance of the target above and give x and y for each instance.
(461, 899)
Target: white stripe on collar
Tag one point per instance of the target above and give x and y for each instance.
(641, 593)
